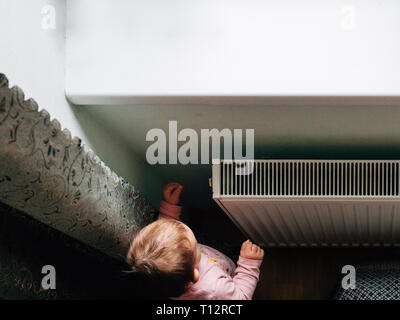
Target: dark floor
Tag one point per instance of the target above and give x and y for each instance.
(312, 273)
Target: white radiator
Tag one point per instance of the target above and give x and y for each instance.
(312, 202)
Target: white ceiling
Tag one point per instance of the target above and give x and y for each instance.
(193, 51)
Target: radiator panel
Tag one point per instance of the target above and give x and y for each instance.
(295, 203)
(320, 223)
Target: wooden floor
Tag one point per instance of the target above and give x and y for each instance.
(312, 273)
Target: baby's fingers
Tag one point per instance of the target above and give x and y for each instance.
(172, 192)
(245, 244)
(170, 188)
(176, 192)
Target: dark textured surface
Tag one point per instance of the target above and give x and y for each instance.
(82, 272)
(56, 180)
(49, 183)
(376, 280)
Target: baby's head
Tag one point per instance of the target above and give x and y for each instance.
(167, 254)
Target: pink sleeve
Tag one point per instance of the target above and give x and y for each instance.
(170, 211)
(243, 283)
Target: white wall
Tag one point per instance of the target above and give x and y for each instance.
(34, 59)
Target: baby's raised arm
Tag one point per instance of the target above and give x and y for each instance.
(169, 207)
(244, 282)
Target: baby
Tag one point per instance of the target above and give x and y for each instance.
(166, 252)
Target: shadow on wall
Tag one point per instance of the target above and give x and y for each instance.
(116, 153)
(329, 151)
(113, 150)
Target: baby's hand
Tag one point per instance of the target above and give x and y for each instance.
(172, 192)
(250, 250)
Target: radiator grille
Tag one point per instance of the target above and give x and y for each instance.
(311, 178)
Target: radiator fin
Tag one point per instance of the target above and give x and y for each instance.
(325, 224)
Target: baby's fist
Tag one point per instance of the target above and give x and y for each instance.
(250, 250)
(172, 192)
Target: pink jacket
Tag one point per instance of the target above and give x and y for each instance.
(219, 279)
